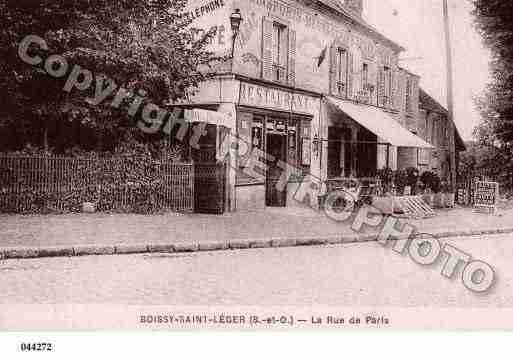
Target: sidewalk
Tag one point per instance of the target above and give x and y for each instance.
(83, 234)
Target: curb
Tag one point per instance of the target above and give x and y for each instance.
(89, 250)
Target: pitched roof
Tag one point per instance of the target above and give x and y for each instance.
(429, 103)
(335, 5)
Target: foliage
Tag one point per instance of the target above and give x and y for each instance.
(493, 19)
(386, 175)
(400, 180)
(431, 181)
(145, 45)
(135, 183)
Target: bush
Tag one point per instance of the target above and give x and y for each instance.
(431, 181)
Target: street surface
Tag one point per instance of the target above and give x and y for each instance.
(365, 274)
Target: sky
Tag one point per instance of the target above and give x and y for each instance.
(417, 25)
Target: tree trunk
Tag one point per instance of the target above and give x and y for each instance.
(45, 136)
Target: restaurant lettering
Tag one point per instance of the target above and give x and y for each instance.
(313, 21)
(266, 97)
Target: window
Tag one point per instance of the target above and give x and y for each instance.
(385, 83)
(434, 140)
(424, 155)
(341, 72)
(280, 52)
(365, 75)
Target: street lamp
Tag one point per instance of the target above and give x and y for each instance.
(317, 143)
(235, 21)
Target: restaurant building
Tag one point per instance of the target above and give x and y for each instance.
(314, 91)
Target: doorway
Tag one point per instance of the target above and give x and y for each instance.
(276, 150)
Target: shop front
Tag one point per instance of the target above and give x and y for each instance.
(278, 125)
(361, 141)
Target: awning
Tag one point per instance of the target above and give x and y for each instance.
(380, 123)
(210, 117)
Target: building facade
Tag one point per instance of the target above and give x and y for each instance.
(434, 126)
(314, 91)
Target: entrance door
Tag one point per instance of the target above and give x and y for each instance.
(276, 148)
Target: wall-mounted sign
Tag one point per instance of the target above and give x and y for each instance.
(274, 98)
(486, 195)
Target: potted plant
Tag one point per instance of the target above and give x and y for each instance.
(432, 185)
(412, 178)
(400, 181)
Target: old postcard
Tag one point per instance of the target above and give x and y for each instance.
(256, 165)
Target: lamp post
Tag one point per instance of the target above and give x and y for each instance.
(235, 21)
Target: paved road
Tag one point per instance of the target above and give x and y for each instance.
(356, 274)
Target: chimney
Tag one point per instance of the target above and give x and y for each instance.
(354, 6)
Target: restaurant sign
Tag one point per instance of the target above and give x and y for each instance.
(275, 99)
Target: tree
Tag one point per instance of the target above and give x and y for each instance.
(146, 46)
(494, 21)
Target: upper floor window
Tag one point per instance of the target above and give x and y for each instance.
(341, 72)
(385, 83)
(279, 52)
(365, 75)
(388, 85)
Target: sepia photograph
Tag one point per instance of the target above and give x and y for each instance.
(255, 165)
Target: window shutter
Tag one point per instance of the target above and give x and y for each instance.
(267, 49)
(350, 74)
(291, 68)
(333, 69)
(396, 91)
(415, 96)
(381, 87)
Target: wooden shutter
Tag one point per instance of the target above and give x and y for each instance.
(350, 75)
(267, 49)
(291, 68)
(381, 87)
(395, 102)
(415, 95)
(333, 69)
